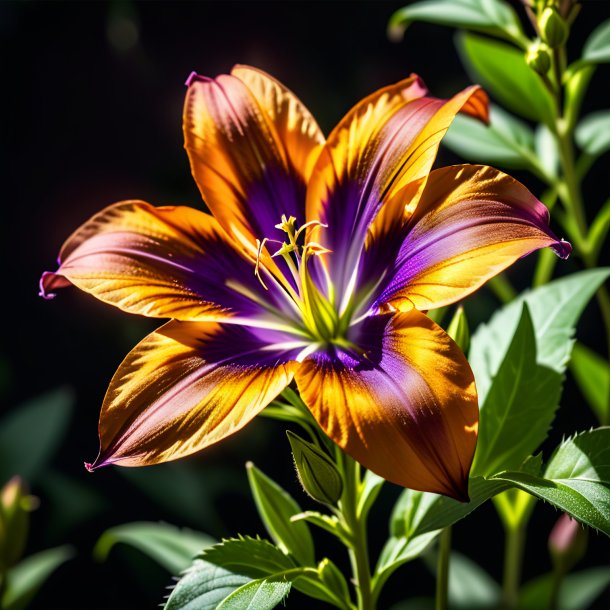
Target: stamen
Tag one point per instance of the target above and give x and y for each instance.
(260, 245)
(311, 223)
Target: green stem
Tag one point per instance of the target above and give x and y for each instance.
(557, 577)
(356, 526)
(442, 574)
(513, 556)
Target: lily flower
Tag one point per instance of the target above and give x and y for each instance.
(317, 265)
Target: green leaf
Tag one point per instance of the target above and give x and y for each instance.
(25, 579)
(31, 434)
(576, 480)
(458, 329)
(597, 47)
(169, 546)
(546, 150)
(599, 230)
(399, 550)
(276, 507)
(578, 590)
(555, 309)
(519, 407)
(417, 512)
(371, 486)
(203, 587)
(494, 17)
(592, 373)
(470, 586)
(262, 594)
(506, 141)
(592, 133)
(502, 70)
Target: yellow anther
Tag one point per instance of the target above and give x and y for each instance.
(288, 225)
(284, 250)
(315, 248)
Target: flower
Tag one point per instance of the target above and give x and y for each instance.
(316, 265)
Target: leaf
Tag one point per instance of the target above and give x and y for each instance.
(494, 17)
(276, 507)
(578, 590)
(31, 434)
(169, 546)
(470, 586)
(370, 488)
(546, 150)
(599, 229)
(203, 587)
(592, 133)
(519, 407)
(262, 594)
(502, 70)
(417, 512)
(592, 373)
(555, 309)
(506, 141)
(25, 579)
(576, 480)
(597, 47)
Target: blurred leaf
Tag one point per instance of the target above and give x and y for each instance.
(419, 512)
(597, 47)
(555, 309)
(203, 587)
(502, 70)
(169, 546)
(592, 373)
(31, 434)
(415, 603)
(371, 486)
(506, 141)
(592, 133)
(276, 507)
(546, 150)
(599, 230)
(494, 17)
(576, 480)
(262, 594)
(519, 407)
(459, 330)
(25, 579)
(470, 586)
(578, 590)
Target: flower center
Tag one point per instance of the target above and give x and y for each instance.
(319, 316)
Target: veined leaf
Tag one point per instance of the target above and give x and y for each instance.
(494, 17)
(169, 546)
(555, 309)
(592, 133)
(592, 373)
(519, 407)
(576, 479)
(276, 507)
(502, 70)
(506, 141)
(262, 594)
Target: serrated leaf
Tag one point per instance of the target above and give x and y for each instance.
(519, 407)
(494, 17)
(171, 547)
(592, 133)
(276, 507)
(555, 309)
(262, 594)
(578, 590)
(31, 433)
(592, 373)
(502, 70)
(506, 141)
(25, 579)
(576, 479)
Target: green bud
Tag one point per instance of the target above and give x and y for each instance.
(15, 506)
(553, 29)
(316, 471)
(458, 329)
(538, 57)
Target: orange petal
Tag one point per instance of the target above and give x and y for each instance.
(162, 262)
(250, 143)
(406, 408)
(471, 223)
(186, 386)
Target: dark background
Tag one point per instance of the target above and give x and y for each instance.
(92, 98)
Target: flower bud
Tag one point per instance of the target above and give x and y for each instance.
(15, 506)
(567, 543)
(538, 57)
(316, 471)
(458, 329)
(553, 29)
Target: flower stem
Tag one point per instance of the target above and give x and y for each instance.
(442, 574)
(513, 555)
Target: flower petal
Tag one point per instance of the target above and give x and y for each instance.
(406, 408)
(250, 143)
(372, 159)
(162, 262)
(187, 386)
(471, 223)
